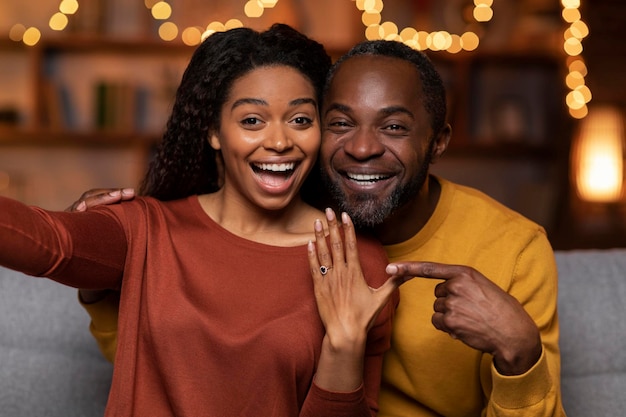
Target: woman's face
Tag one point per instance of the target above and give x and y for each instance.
(269, 136)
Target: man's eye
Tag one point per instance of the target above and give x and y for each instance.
(394, 127)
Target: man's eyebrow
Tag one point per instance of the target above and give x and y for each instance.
(338, 106)
(397, 109)
(387, 111)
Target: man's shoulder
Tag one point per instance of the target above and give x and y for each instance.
(475, 204)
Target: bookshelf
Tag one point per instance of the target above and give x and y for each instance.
(83, 87)
(57, 138)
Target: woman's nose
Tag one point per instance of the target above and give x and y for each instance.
(278, 140)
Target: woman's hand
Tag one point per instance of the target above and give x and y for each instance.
(347, 306)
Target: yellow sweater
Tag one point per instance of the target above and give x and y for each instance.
(426, 372)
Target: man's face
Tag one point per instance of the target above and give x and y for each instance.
(376, 137)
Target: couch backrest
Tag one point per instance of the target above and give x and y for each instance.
(592, 316)
(50, 365)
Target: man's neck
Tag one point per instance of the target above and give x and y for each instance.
(409, 219)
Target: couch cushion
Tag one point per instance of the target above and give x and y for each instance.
(592, 315)
(49, 363)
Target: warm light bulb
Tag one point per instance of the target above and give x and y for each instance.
(168, 31)
(253, 8)
(483, 13)
(161, 11)
(191, 36)
(31, 36)
(470, 41)
(58, 21)
(68, 6)
(17, 32)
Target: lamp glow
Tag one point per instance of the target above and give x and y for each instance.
(598, 156)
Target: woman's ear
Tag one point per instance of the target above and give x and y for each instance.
(214, 141)
(441, 143)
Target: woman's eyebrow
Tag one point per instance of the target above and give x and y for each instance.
(304, 100)
(250, 100)
(261, 102)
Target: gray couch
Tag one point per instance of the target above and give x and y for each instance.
(50, 366)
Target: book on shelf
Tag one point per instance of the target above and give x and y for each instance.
(57, 112)
(116, 106)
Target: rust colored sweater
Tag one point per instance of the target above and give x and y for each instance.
(210, 324)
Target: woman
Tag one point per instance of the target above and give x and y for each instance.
(218, 314)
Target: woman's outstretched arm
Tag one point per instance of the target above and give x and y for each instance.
(86, 250)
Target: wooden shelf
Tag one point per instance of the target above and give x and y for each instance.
(10, 136)
(99, 44)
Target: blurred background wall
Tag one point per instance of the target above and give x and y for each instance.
(83, 106)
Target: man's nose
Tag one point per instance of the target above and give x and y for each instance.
(364, 144)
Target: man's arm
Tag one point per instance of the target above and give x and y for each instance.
(521, 380)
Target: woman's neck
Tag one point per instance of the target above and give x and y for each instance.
(288, 226)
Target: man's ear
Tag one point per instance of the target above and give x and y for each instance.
(441, 143)
(214, 141)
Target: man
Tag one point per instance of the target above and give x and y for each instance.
(463, 344)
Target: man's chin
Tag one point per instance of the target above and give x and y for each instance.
(366, 211)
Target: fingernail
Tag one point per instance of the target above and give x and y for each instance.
(345, 218)
(128, 191)
(115, 193)
(391, 269)
(310, 246)
(318, 225)
(330, 214)
(82, 206)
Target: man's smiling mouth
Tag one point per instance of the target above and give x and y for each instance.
(366, 178)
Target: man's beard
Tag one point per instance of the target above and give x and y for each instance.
(367, 210)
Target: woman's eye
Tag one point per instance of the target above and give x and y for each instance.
(250, 121)
(302, 120)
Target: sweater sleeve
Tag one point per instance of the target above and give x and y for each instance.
(536, 392)
(103, 326)
(80, 249)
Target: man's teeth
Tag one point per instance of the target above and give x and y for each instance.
(276, 167)
(365, 177)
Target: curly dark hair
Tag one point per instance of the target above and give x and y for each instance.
(432, 85)
(184, 163)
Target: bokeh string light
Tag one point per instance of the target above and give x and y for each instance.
(579, 94)
(422, 40)
(577, 98)
(58, 22)
(371, 17)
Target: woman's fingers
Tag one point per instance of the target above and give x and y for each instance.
(323, 255)
(336, 244)
(352, 253)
